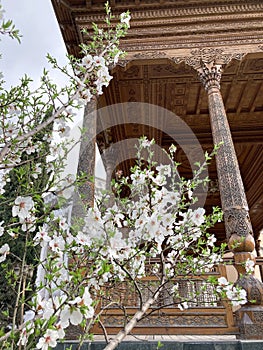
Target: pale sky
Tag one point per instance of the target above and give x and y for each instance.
(41, 35)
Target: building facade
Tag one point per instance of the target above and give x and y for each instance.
(193, 75)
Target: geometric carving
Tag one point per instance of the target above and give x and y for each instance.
(254, 289)
(208, 62)
(205, 310)
(162, 320)
(232, 191)
(86, 163)
(131, 72)
(237, 222)
(233, 199)
(251, 322)
(255, 65)
(208, 55)
(213, 186)
(122, 62)
(150, 55)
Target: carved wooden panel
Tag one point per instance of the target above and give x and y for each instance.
(206, 313)
(168, 25)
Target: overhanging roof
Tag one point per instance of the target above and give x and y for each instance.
(164, 30)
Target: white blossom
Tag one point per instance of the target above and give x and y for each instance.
(125, 18)
(48, 340)
(60, 330)
(171, 197)
(31, 148)
(222, 281)
(237, 297)
(84, 96)
(48, 309)
(70, 314)
(183, 306)
(29, 315)
(249, 265)
(116, 244)
(164, 170)
(172, 148)
(42, 236)
(153, 225)
(28, 224)
(63, 223)
(63, 129)
(37, 171)
(2, 229)
(25, 333)
(196, 233)
(117, 56)
(99, 61)
(211, 240)
(190, 194)
(87, 62)
(22, 207)
(138, 178)
(4, 250)
(83, 239)
(87, 301)
(57, 244)
(197, 216)
(146, 143)
(66, 187)
(11, 130)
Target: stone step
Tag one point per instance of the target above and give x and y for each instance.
(169, 345)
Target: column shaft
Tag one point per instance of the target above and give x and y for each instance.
(87, 154)
(234, 204)
(232, 192)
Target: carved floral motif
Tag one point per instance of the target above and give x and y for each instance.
(237, 222)
(209, 74)
(208, 56)
(171, 321)
(150, 55)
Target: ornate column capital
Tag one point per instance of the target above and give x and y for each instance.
(209, 62)
(210, 74)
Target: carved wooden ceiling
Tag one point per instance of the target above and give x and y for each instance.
(168, 25)
(177, 88)
(160, 31)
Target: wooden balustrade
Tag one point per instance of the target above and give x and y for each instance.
(206, 313)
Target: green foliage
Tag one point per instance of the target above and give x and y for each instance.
(22, 180)
(8, 28)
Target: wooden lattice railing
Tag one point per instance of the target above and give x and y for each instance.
(206, 314)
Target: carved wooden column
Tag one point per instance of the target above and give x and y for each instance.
(234, 203)
(110, 166)
(87, 153)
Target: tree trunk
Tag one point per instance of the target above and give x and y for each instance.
(133, 322)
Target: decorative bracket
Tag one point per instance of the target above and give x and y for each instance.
(215, 56)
